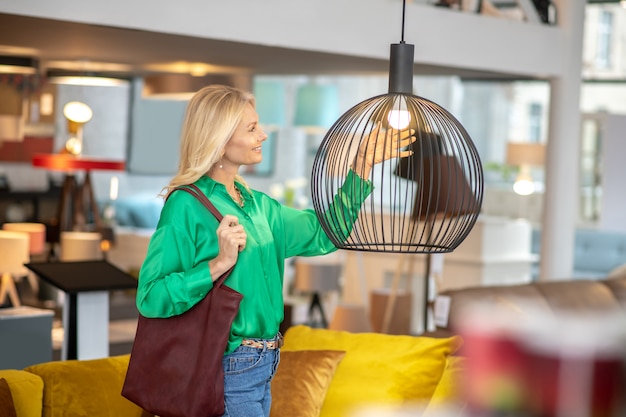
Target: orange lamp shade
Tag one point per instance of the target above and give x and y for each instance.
(66, 162)
(36, 233)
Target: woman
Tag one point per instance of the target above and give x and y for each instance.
(190, 250)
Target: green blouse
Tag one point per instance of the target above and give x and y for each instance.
(175, 273)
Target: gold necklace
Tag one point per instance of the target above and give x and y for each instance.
(239, 197)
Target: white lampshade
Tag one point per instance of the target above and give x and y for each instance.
(35, 231)
(80, 246)
(14, 252)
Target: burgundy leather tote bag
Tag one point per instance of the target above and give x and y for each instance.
(175, 367)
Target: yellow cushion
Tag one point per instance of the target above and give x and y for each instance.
(378, 368)
(301, 381)
(84, 386)
(448, 395)
(7, 408)
(26, 391)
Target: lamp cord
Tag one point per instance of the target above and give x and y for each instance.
(403, 13)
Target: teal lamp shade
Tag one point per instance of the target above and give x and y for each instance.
(317, 107)
(271, 102)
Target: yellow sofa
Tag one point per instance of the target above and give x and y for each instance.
(85, 388)
(322, 373)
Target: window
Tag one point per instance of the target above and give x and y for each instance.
(590, 181)
(605, 30)
(535, 111)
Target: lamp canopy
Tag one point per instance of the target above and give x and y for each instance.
(425, 203)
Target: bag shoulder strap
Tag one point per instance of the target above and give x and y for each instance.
(196, 192)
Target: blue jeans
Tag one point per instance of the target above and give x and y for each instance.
(248, 372)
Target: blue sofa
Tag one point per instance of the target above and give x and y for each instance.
(139, 211)
(596, 252)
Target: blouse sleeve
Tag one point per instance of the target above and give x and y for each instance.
(304, 235)
(173, 277)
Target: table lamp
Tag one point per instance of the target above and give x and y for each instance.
(80, 246)
(77, 114)
(36, 244)
(13, 255)
(525, 155)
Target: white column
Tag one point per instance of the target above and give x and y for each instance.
(560, 207)
(613, 214)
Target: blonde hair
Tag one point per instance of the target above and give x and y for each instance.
(210, 120)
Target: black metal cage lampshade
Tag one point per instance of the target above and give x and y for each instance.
(424, 203)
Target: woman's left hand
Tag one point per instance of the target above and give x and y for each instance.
(381, 145)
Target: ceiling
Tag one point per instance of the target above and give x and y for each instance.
(92, 48)
(67, 45)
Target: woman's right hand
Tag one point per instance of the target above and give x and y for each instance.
(231, 238)
(381, 145)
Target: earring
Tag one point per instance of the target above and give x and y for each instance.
(221, 166)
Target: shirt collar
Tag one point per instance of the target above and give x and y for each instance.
(208, 184)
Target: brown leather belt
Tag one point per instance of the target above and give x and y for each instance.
(260, 344)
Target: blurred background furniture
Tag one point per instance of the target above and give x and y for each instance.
(14, 253)
(496, 252)
(584, 296)
(26, 336)
(86, 285)
(351, 318)
(130, 248)
(596, 252)
(34, 202)
(317, 277)
(80, 246)
(400, 314)
(36, 244)
(77, 208)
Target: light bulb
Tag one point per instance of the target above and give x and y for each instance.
(524, 184)
(399, 119)
(77, 112)
(524, 187)
(74, 145)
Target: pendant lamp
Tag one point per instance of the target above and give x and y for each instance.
(271, 101)
(77, 114)
(425, 203)
(316, 107)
